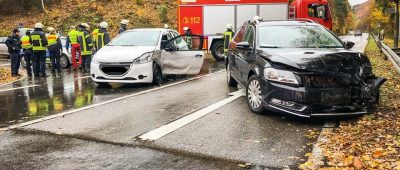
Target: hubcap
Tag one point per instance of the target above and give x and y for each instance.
(63, 62)
(254, 94)
(220, 51)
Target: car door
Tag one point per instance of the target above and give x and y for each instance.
(233, 53)
(245, 56)
(3, 47)
(182, 55)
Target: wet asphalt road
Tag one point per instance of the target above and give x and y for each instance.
(106, 136)
(65, 91)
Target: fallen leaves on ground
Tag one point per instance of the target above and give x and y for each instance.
(5, 75)
(372, 141)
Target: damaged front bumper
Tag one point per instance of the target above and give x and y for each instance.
(322, 101)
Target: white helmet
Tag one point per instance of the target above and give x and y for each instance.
(103, 24)
(186, 28)
(229, 26)
(85, 25)
(51, 29)
(166, 26)
(257, 19)
(39, 25)
(125, 22)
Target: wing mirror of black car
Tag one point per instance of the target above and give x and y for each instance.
(243, 46)
(348, 45)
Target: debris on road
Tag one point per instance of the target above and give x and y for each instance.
(5, 76)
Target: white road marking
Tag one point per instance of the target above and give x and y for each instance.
(103, 103)
(24, 87)
(175, 125)
(82, 77)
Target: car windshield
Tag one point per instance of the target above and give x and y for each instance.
(137, 38)
(310, 36)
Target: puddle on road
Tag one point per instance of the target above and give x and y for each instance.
(70, 90)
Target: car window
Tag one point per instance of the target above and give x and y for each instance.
(249, 36)
(240, 34)
(185, 43)
(137, 38)
(317, 10)
(3, 40)
(304, 36)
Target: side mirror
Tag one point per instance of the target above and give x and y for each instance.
(348, 45)
(243, 46)
(171, 48)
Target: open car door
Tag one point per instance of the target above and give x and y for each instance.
(182, 55)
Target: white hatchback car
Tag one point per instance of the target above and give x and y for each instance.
(146, 56)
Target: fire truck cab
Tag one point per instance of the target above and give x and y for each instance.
(210, 17)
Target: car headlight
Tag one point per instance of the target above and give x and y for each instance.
(280, 76)
(95, 60)
(145, 58)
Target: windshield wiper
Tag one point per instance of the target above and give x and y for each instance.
(268, 46)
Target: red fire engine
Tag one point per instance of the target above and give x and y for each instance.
(210, 17)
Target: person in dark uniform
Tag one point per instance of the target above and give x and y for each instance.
(39, 46)
(85, 41)
(55, 48)
(14, 48)
(124, 24)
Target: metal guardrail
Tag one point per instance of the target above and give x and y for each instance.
(391, 54)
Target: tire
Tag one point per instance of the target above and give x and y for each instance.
(64, 61)
(217, 50)
(22, 62)
(158, 78)
(231, 81)
(253, 95)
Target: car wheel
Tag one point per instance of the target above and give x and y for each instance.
(23, 62)
(231, 81)
(158, 78)
(253, 94)
(217, 50)
(64, 61)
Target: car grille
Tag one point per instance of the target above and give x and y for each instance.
(115, 69)
(319, 81)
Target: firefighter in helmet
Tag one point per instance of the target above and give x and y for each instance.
(102, 37)
(188, 36)
(124, 23)
(227, 37)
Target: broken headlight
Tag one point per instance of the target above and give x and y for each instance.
(145, 58)
(280, 76)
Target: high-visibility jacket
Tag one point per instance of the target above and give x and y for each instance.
(25, 42)
(85, 41)
(51, 39)
(94, 35)
(73, 36)
(227, 37)
(38, 40)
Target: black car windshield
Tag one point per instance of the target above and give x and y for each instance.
(137, 38)
(309, 36)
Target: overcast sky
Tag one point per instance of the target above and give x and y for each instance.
(354, 2)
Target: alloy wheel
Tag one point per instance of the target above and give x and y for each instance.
(254, 94)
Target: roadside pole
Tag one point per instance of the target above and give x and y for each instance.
(396, 25)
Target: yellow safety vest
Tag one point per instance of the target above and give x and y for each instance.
(227, 39)
(25, 42)
(84, 48)
(73, 36)
(38, 39)
(100, 40)
(94, 33)
(51, 39)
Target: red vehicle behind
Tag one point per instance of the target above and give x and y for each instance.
(210, 17)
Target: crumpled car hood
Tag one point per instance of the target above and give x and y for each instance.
(350, 67)
(121, 53)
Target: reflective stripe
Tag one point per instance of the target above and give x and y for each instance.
(84, 48)
(227, 39)
(25, 42)
(73, 36)
(52, 39)
(37, 38)
(100, 40)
